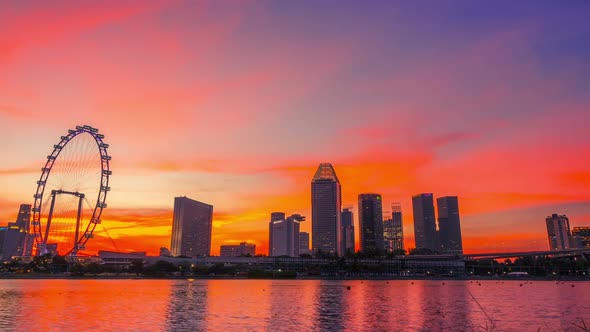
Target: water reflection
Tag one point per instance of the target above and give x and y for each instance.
(10, 305)
(291, 305)
(446, 306)
(187, 306)
(330, 307)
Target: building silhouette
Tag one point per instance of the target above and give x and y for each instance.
(449, 225)
(303, 243)
(326, 205)
(347, 232)
(191, 228)
(581, 237)
(235, 250)
(3, 231)
(424, 221)
(393, 229)
(370, 209)
(276, 216)
(558, 232)
(16, 238)
(284, 235)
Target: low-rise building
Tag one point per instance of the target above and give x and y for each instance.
(242, 249)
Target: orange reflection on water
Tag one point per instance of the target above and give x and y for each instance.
(84, 305)
(291, 305)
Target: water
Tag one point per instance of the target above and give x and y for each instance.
(291, 305)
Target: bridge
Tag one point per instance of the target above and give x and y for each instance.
(584, 253)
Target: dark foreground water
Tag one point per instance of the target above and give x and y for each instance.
(294, 305)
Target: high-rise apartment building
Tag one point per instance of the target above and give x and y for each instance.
(424, 221)
(284, 235)
(191, 228)
(17, 240)
(347, 233)
(449, 225)
(393, 229)
(370, 209)
(558, 232)
(303, 243)
(581, 237)
(326, 204)
(235, 250)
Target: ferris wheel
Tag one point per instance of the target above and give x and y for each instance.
(71, 192)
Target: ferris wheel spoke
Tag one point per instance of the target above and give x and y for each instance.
(76, 176)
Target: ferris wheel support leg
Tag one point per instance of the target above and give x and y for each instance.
(75, 251)
(44, 246)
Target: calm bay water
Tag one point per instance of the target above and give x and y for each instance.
(291, 305)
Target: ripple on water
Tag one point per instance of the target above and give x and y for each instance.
(290, 305)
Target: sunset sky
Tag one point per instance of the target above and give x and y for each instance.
(235, 103)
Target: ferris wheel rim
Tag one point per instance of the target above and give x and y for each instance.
(102, 192)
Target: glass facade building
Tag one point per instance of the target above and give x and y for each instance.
(347, 219)
(303, 243)
(449, 225)
(393, 229)
(370, 209)
(424, 221)
(326, 204)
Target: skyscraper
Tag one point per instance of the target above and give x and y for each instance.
(191, 228)
(347, 218)
(370, 222)
(284, 235)
(325, 211)
(303, 243)
(424, 222)
(449, 225)
(393, 229)
(558, 232)
(17, 240)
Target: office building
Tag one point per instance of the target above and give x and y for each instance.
(558, 232)
(424, 222)
(581, 236)
(370, 209)
(284, 236)
(393, 229)
(235, 250)
(191, 228)
(303, 243)
(17, 240)
(449, 225)
(325, 211)
(347, 233)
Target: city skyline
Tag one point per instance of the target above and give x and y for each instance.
(235, 105)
